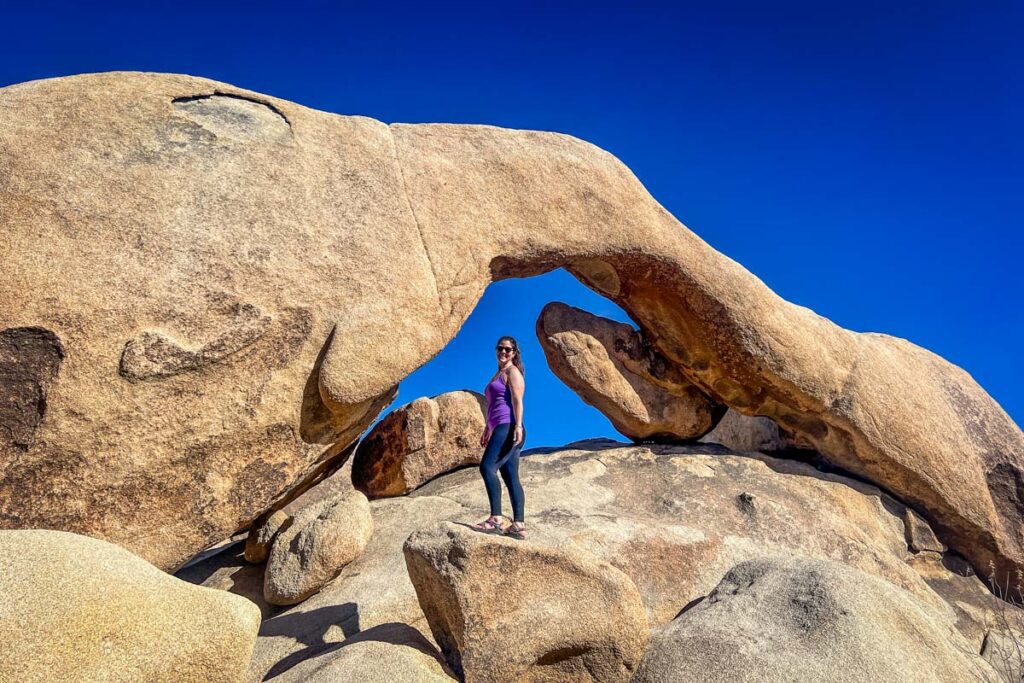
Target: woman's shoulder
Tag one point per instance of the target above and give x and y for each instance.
(512, 371)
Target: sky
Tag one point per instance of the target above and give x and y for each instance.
(862, 159)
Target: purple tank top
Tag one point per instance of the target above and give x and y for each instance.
(499, 403)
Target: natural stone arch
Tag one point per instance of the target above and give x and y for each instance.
(280, 270)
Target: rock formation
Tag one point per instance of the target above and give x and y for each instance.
(313, 547)
(743, 433)
(797, 619)
(419, 441)
(502, 610)
(208, 359)
(612, 367)
(79, 609)
(674, 518)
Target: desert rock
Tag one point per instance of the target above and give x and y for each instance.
(799, 619)
(321, 539)
(233, 364)
(502, 609)
(419, 441)
(80, 609)
(612, 367)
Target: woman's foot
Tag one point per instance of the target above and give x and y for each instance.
(491, 525)
(516, 530)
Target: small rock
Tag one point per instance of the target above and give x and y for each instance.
(612, 367)
(322, 538)
(919, 534)
(262, 534)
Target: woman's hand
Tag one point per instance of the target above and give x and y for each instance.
(517, 437)
(484, 437)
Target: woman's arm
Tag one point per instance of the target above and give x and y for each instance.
(518, 385)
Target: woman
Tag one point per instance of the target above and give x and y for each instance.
(504, 436)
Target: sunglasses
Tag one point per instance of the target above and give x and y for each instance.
(506, 349)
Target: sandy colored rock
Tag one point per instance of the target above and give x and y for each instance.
(502, 609)
(613, 368)
(674, 518)
(320, 540)
(262, 534)
(920, 536)
(418, 441)
(645, 396)
(743, 433)
(1004, 652)
(204, 363)
(78, 609)
(394, 653)
(371, 593)
(797, 619)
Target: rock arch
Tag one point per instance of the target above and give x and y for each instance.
(365, 247)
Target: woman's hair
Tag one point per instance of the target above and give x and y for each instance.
(517, 358)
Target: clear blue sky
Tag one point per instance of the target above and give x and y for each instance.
(863, 159)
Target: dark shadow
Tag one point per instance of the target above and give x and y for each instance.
(394, 633)
(309, 629)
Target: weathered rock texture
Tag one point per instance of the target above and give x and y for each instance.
(504, 610)
(418, 441)
(76, 609)
(261, 536)
(311, 550)
(199, 378)
(673, 518)
(743, 433)
(798, 619)
(612, 367)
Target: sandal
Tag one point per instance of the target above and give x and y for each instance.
(516, 531)
(491, 525)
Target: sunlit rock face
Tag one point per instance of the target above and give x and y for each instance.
(208, 293)
(613, 368)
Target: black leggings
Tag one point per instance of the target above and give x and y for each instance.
(501, 454)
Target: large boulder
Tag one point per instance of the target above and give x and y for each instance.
(613, 368)
(203, 364)
(505, 610)
(418, 441)
(76, 608)
(797, 619)
(317, 543)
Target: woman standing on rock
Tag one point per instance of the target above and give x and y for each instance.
(503, 437)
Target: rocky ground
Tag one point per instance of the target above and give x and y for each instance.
(676, 520)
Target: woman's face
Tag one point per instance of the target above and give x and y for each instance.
(505, 351)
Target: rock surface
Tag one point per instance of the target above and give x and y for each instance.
(418, 441)
(673, 518)
(320, 540)
(503, 609)
(744, 433)
(204, 364)
(799, 619)
(77, 609)
(261, 536)
(392, 654)
(613, 368)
